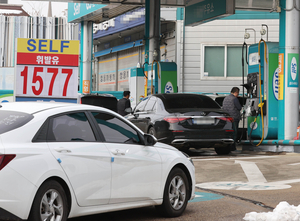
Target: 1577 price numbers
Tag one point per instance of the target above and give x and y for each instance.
(45, 81)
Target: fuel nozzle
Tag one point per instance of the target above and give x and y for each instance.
(260, 105)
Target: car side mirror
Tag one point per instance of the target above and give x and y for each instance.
(149, 139)
(128, 110)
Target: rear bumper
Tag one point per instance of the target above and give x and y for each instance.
(225, 141)
(16, 195)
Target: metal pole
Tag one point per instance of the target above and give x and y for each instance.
(154, 31)
(86, 53)
(288, 74)
(147, 27)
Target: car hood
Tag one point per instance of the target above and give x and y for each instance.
(165, 146)
(199, 112)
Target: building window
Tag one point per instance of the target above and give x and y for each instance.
(223, 61)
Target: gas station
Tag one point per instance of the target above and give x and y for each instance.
(272, 84)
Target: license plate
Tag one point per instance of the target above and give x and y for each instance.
(203, 121)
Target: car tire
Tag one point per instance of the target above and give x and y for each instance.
(50, 203)
(152, 131)
(176, 194)
(223, 150)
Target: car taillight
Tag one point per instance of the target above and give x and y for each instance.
(229, 119)
(5, 159)
(173, 120)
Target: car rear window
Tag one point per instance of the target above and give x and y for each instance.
(189, 101)
(10, 120)
(101, 101)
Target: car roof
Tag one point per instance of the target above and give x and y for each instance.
(172, 95)
(99, 95)
(34, 107)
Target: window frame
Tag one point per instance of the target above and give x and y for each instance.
(99, 130)
(146, 99)
(48, 123)
(153, 106)
(203, 74)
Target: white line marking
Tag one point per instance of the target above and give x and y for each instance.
(198, 196)
(293, 164)
(236, 158)
(241, 186)
(252, 172)
(285, 182)
(256, 180)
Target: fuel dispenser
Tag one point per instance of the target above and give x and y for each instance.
(162, 78)
(262, 88)
(136, 86)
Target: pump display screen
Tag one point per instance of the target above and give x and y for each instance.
(252, 81)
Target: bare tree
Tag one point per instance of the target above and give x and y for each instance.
(36, 7)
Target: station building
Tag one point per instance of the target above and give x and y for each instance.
(208, 56)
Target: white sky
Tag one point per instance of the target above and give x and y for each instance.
(40, 8)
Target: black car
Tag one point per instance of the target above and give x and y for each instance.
(184, 121)
(101, 100)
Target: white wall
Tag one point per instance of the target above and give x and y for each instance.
(217, 32)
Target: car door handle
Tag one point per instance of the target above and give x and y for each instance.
(62, 150)
(148, 118)
(118, 152)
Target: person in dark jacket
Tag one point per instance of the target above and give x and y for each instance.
(232, 105)
(124, 103)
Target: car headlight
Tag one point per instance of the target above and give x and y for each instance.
(187, 156)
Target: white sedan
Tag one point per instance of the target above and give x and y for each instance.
(60, 160)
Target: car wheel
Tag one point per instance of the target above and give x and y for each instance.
(50, 203)
(152, 131)
(176, 194)
(223, 150)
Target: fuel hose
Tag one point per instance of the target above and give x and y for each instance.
(260, 105)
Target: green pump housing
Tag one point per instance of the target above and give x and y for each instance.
(269, 79)
(162, 77)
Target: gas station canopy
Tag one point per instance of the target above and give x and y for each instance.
(240, 4)
(114, 8)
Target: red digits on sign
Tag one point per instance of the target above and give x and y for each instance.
(69, 72)
(24, 74)
(55, 72)
(38, 88)
(39, 79)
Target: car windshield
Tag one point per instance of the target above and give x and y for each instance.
(188, 101)
(10, 120)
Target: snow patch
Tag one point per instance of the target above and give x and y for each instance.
(283, 212)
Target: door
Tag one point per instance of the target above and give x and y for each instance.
(86, 161)
(148, 117)
(138, 115)
(144, 114)
(136, 168)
